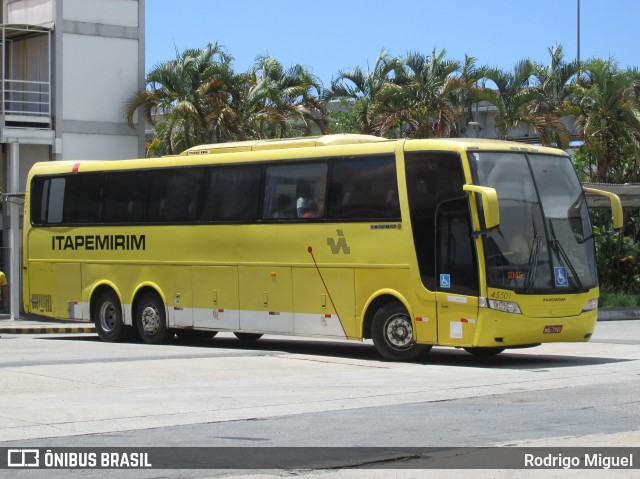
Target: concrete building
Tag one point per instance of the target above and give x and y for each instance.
(68, 67)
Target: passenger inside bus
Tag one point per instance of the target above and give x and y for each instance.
(284, 208)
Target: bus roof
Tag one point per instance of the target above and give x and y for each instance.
(351, 139)
(285, 143)
(197, 155)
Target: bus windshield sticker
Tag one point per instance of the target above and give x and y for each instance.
(445, 281)
(560, 273)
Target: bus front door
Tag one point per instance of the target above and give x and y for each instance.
(456, 274)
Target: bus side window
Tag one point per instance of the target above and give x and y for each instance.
(364, 188)
(173, 195)
(83, 198)
(295, 191)
(47, 196)
(232, 194)
(124, 197)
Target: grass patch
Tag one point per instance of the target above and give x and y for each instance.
(617, 299)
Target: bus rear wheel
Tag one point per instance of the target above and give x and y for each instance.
(107, 316)
(151, 319)
(393, 335)
(248, 336)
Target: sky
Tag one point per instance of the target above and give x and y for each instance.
(333, 35)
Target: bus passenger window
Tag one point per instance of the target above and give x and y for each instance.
(364, 188)
(47, 197)
(83, 199)
(124, 197)
(233, 193)
(295, 191)
(173, 195)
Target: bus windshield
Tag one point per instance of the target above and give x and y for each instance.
(544, 243)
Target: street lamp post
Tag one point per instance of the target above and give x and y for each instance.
(578, 39)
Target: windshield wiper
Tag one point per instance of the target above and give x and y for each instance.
(562, 255)
(530, 279)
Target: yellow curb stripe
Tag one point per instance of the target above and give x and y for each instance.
(48, 330)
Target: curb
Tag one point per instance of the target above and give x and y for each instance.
(46, 329)
(34, 325)
(618, 314)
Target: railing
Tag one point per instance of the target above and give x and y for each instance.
(25, 82)
(26, 97)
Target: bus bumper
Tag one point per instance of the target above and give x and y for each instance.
(498, 329)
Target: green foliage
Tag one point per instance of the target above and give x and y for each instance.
(343, 118)
(607, 107)
(198, 98)
(625, 168)
(618, 261)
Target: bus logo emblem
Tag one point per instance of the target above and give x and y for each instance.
(341, 244)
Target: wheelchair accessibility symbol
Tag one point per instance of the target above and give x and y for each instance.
(562, 280)
(445, 281)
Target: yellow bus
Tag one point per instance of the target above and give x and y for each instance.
(481, 245)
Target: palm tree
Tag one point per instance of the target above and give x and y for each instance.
(608, 113)
(277, 97)
(187, 99)
(551, 98)
(364, 86)
(511, 96)
(465, 95)
(422, 96)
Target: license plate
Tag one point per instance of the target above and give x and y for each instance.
(552, 329)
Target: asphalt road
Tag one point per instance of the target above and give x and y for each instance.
(74, 391)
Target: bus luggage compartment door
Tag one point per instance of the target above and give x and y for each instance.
(266, 304)
(55, 290)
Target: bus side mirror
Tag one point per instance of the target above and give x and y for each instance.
(616, 206)
(490, 206)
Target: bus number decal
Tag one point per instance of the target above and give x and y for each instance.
(500, 295)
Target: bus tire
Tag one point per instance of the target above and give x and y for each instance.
(107, 317)
(248, 336)
(151, 319)
(393, 335)
(195, 334)
(484, 352)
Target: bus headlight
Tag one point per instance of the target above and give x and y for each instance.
(590, 305)
(505, 306)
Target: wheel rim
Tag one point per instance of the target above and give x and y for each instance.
(398, 332)
(150, 320)
(108, 316)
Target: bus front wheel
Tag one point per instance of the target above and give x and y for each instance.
(151, 319)
(393, 334)
(107, 316)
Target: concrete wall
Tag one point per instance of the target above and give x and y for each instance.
(108, 35)
(106, 12)
(32, 12)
